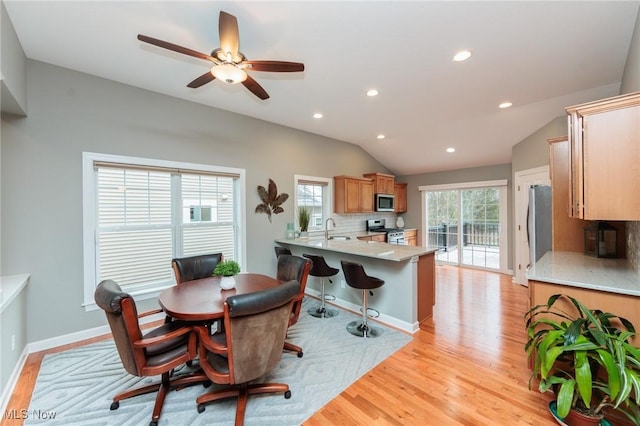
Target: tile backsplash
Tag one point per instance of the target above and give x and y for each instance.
(347, 223)
(633, 244)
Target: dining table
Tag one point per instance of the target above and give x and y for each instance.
(203, 299)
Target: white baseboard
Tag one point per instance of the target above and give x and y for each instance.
(385, 319)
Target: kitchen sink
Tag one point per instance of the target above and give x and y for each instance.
(339, 237)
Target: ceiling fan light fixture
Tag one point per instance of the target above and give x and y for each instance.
(229, 73)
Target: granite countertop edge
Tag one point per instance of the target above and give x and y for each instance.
(578, 270)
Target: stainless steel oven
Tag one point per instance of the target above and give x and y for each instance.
(394, 235)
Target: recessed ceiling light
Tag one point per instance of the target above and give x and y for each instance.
(451, 150)
(380, 136)
(372, 92)
(505, 105)
(317, 115)
(463, 55)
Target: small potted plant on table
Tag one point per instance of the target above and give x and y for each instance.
(227, 270)
(585, 357)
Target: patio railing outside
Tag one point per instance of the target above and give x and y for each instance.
(445, 236)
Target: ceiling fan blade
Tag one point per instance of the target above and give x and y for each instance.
(275, 66)
(202, 80)
(229, 35)
(255, 88)
(175, 48)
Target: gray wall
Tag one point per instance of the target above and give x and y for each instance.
(631, 75)
(413, 217)
(533, 151)
(71, 112)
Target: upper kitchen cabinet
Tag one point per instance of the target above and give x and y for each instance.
(382, 184)
(567, 232)
(353, 195)
(400, 195)
(604, 145)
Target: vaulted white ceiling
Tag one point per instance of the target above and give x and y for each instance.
(541, 56)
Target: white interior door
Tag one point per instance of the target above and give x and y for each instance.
(523, 181)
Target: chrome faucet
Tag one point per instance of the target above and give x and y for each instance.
(326, 227)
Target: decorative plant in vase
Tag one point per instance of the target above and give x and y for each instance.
(585, 357)
(304, 216)
(227, 269)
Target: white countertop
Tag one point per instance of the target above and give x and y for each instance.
(578, 270)
(375, 249)
(10, 287)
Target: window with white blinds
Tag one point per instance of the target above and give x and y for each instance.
(142, 213)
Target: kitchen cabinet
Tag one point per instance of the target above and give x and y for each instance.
(604, 147)
(380, 238)
(400, 195)
(353, 195)
(411, 237)
(382, 184)
(626, 306)
(568, 232)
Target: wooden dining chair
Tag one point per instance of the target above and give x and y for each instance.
(195, 267)
(255, 328)
(157, 352)
(294, 268)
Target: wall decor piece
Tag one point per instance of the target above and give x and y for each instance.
(271, 201)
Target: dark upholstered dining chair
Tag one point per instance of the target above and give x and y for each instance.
(195, 267)
(157, 352)
(255, 328)
(281, 250)
(294, 268)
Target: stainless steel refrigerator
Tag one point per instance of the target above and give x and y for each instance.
(539, 222)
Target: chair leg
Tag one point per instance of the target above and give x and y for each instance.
(321, 311)
(165, 386)
(162, 388)
(293, 348)
(242, 392)
(362, 328)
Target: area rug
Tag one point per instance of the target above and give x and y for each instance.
(76, 387)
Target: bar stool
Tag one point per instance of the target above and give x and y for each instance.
(320, 269)
(357, 278)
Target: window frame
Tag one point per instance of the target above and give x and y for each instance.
(89, 214)
(327, 198)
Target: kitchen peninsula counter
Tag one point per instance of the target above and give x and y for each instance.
(375, 249)
(408, 294)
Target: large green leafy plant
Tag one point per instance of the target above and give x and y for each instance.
(585, 357)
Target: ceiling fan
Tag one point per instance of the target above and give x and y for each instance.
(229, 64)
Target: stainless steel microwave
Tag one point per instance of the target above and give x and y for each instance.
(384, 203)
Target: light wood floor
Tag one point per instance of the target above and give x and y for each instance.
(466, 366)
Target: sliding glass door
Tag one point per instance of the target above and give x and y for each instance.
(466, 224)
